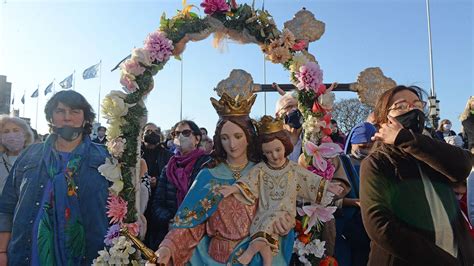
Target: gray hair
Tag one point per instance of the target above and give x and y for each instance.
(29, 137)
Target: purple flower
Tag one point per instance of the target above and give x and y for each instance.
(159, 47)
(214, 6)
(310, 76)
(112, 233)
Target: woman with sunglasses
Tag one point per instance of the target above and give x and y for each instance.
(176, 178)
(408, 207)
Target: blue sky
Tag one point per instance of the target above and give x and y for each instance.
(45, 40)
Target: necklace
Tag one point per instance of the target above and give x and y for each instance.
(278, 168)
(236, 169)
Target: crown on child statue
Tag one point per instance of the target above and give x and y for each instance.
(238, 106)
(268, 124)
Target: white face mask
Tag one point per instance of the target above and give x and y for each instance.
(447, 127)
(184, 144)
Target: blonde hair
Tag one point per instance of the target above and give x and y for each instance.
(467, 111)
(29, 137)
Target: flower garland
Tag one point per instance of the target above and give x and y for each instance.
(124, 110)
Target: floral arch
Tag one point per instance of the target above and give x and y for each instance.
(126, 112)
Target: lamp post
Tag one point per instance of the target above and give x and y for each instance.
(433, 102)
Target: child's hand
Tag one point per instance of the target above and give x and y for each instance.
(228, 190)
(335, 188)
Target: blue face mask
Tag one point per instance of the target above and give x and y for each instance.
(294, 119)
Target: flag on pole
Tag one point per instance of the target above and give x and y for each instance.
(48, 89)
(91, 72)
(23, 99)
(67, 82)
(35, 94)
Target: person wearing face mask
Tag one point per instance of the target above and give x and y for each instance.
(176, 178)
(444, 130)
(15, 135)
(408, 206)
(287, 109)
(101, 137)
(156, 157)
(352, 242)
(53, 206)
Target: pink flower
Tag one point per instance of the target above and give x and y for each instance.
(215, 6)
(132, 67)
(316, 213)
(325, 150)
(300, 45)
(129, 83)
(134, 228)
(117, 208)
(310, 76)
(159, 47)
(326, 174)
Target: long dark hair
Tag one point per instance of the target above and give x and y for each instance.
(194, 128)
(74, 100)
(246, 124)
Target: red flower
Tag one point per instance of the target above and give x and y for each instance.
(328, 261)
(305, 239)
(321, 89)
(299, 227)
(317, 108)
(300, 45)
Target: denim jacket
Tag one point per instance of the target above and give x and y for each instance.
(20, 201)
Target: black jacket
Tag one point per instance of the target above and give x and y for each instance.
(468, 126)
(156, 159)
(163, 205)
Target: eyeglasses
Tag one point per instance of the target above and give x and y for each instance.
(185, 133)
(404, 106)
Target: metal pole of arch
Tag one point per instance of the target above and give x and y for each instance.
(265, 82)
(100, 87)
(433, 102)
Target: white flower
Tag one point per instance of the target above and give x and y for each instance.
(111, 170)
(116, 187)
(116, 146)
(113, 131)
(142, 56)
(120, 251)
(114, 106)
(326, 100)
(103, 258)
(316, 247)
(298, 60)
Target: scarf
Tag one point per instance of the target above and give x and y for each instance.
(179, 170)
(60, 236)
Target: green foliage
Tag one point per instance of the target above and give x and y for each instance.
(177, 27)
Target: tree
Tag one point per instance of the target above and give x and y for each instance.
(349, 112)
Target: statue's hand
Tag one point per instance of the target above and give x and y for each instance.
(163, 254)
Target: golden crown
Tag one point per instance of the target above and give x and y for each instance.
(238, 106)
(268, 124)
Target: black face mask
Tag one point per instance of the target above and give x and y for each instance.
(152, 138)
(414, 120)
(68, 133)
(294, 119)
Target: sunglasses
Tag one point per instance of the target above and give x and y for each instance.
(185, 133)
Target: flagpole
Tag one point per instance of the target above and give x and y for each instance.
(37, 100)
(100, 84)
(181, 93)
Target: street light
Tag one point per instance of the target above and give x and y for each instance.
(434, 104)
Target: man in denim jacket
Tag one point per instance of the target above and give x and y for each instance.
(53, 207)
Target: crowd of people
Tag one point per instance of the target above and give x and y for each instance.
(401, 191)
